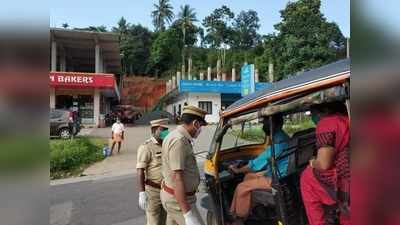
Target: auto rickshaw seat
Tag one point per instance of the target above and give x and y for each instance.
(302, 145)
(262, 197)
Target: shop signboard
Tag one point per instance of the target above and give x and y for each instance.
(206, 86)
(83, 80)
(247, 79)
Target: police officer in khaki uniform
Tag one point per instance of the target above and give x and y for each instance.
(149, 173)
(179, 169)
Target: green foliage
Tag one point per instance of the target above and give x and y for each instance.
(304, 40)
(135, 44)
(294, 125)
(255, 134)
(185, 23)
(165, 52)
(218, 27)
(65, 25)
(245, 28)
(162, 14)
(70, 156)
(101, 28)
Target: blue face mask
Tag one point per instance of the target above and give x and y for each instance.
(164, 134)
(315, 118)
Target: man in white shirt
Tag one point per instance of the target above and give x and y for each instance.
(117, 134)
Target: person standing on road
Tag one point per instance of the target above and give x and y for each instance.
(180, 171)
(149, 173)
(117, 134)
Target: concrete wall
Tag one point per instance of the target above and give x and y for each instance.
(215, 98)
(193, 99)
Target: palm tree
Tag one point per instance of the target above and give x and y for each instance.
(65, 25)
(186, 18)
(162, 14)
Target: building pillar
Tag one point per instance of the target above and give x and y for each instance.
(52, 93)
(201, 76)
(271, 72)
(97, 58)
(183, 72)
(233, 74)
(190, 68)
(178, 78)
(173, 82)
(63, 66)
(218, 69)
(223, 76)
(209, 73)
(53, 56)
(96, 106)
(256, 76)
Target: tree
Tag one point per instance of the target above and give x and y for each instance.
(101, 28)
(165, 52)
(305, 39)
(136, 49)
(122, 27)
(162, 14)
(135, 44)
(218, 27)
(245, 29)
(65, 25)
(185, 21)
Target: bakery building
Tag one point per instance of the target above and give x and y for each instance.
(83, 73)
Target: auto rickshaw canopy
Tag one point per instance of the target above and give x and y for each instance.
(311, 81)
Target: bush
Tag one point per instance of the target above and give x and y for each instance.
(255, 134)
(293, 126)
(70, 156)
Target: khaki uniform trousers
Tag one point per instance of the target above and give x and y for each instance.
(174, 212)
(155, 212)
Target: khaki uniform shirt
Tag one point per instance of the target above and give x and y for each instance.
(149, 158)
(177, 154)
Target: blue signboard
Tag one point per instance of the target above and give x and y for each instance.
(205, 86)
(247, 79)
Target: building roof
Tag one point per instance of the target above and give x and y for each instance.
(312, 79)
(80, 45)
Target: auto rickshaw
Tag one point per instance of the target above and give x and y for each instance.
(239, 138)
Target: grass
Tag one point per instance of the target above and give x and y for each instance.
(70, 157)
(255, 134)
(293, 126)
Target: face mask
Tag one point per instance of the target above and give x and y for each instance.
(198, 131)
(315, 118)
(163, 134)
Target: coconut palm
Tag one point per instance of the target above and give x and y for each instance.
(162, 14)
(186, 19)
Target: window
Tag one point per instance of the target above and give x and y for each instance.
(297, 122)
(55, 114)
(246, 133)
(206, 106)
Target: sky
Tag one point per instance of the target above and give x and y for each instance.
(83, 13)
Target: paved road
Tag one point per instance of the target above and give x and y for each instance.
(108, 197)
